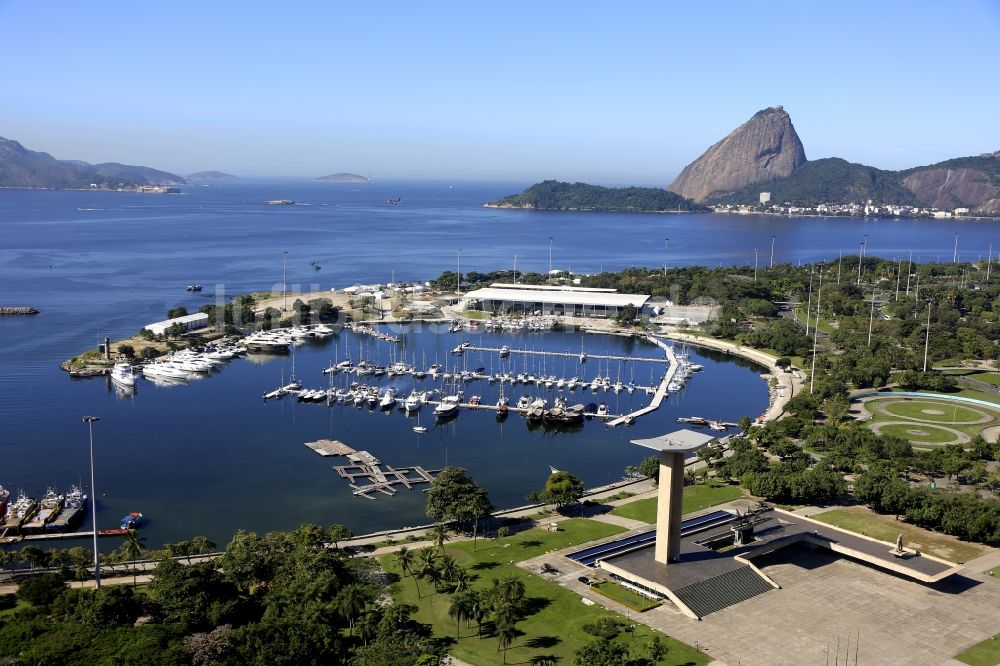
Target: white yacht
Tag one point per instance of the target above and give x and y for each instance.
(448, 406)
(388, 399)
(413, 402)
(123, 375)
(164, 370)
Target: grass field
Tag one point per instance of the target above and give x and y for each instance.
(988, 377)
(696, 498)
(885, 528)
(936, 412)
(986, 653)
(924, 415)
(553, 625)
(824, 325)
(625, 597)
(995, 572)
(921, 433)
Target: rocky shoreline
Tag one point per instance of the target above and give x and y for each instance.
(18, 310)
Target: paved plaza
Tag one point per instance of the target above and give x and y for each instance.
(825, 597)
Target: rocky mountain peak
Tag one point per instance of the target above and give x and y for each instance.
(763, 148)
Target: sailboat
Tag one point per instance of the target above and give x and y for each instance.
(419, 429)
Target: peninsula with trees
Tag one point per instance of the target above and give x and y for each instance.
(556, 195)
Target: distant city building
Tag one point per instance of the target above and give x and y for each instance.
(190, 322)
(765, 197)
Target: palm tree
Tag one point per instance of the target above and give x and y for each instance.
(203, 544)
(448, 568)
(440, 535)
(134, 545)
(405, 560)
(32, 555)
(350, 602)
(457, 609)
(478, 610)
(461, 579)
(427, 566)
(510, 589)
(367, 626)
(505, 636)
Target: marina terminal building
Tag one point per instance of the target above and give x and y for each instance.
(551, 300)
(191, 322)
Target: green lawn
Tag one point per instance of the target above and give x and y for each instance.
(995, 572)
(988, 377)
(625, 596)
(914, 409)
(696, 498)
(553, 627)
(886, 528)
(936, 412)
(919, 433)
(824, 325)
(986, 653)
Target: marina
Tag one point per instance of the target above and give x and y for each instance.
(190, 432)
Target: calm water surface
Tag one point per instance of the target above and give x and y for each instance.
(210, 457)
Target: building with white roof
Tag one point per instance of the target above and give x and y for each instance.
(551, 300)
(190, 322)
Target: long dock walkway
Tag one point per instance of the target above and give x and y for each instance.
(601, 357)
(661, 390)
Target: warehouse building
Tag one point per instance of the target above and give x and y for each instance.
(190, 322)
(551, 300)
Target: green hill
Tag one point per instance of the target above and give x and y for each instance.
(556, 195)
(829, 180)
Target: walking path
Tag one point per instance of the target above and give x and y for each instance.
(790, 384)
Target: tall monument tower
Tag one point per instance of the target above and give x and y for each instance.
(673, 448)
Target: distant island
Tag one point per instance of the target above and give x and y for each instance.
(343, 178)
(20, 167)
(211, 175)
(556, 195)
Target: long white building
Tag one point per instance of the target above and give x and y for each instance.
(190, 322)
(551, 300)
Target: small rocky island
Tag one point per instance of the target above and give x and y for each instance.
(211, 175)
(343, 178)
(555, 195)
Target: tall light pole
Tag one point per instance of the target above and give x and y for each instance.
(771, 265)
(459, 281)
(89, 420)
(861, 256)
(666, 251)
(809, 302)
(954, 254)
(550, 256)
(515, 269)
(864, 246)
(819, 302)
(927, 338)
(989, 261)
(909, 271)
(755, 264)
(284, 280)
(899, 272)
(871, 318)
(840, 263)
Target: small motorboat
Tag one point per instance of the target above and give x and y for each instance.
(420, 429)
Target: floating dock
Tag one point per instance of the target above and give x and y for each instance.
(382, 481)
(601, 357)
(330, 447)
(661, 390)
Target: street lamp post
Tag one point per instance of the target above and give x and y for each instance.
(666, 251)
(89, 420)
(284, 280)
(861, 256)
(550, 256)
(989, 261)
(771, 265)
(459, 281)
(755, 264)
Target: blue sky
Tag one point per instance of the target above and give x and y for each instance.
(624, 92)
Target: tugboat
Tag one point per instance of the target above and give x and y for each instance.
(48, 508)
(132, 521)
